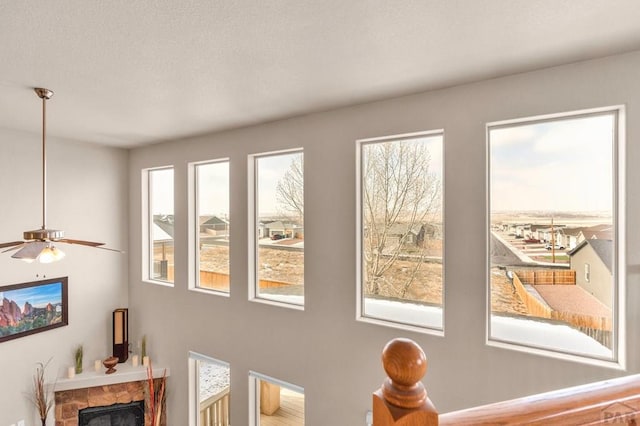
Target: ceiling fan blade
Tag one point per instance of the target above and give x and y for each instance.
(110, 249)
(79, 242)
(87, 243)
(14, 247)
(31, 250)
(11, 244)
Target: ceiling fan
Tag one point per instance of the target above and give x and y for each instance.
(39, 243)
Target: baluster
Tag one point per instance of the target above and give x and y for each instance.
(402, 399)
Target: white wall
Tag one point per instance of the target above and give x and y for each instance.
(86, 199)
(324, 349)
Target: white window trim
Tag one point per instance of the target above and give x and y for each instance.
(193, 249)
(147, 224)
(619, 351)
(254, 394)
(435, 328)
(252, 181)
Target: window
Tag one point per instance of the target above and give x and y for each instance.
(277, 222)
(274, 402)
(159, 221)
(400, 221)
(586, 272)
(210, 226)
(209, 391)
(554, 209)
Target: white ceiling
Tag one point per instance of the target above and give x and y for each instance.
(128, 72)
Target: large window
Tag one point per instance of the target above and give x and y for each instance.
(400, 242)
(160, 225)
(209, 225)
(209, 391)
(554, 229)
(278, 228)
(274, 402)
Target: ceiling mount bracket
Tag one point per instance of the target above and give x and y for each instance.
(43, 93)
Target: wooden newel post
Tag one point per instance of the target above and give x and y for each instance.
(402, 399)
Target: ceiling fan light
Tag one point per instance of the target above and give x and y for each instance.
(50, 254)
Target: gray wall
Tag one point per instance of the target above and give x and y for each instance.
(324, 349)
(86, 187)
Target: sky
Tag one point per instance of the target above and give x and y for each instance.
(38, 297)
(271, 169)
(561, 165)
(213, 186)
(213, 189)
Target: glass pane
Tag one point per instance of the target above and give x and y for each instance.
(402, 230)
(552, 238)
(280, 227)
(279, 406)
(162, 224)
(213, 393)
(212, 204)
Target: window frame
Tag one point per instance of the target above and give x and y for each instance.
(254, 394)
(194, 360)
(253, 246)
(193, 251)
(619, 358)
(147, 225)
(438, 327)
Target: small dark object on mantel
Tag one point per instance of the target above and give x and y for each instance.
(109, 363)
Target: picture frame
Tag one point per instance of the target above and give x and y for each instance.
(33, 307)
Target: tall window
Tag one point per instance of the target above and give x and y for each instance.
(274, 402)
(210, 393)
(278, 228)
(554, 233)
(211, 225)
(401, 230)
(160, 221)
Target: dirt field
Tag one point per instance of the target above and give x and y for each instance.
(281, 265)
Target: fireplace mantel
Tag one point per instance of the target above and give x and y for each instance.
(97, 389)
(125, 373)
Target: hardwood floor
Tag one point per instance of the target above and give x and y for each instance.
(290, 413)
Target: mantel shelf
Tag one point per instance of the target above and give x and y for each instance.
(125, 373)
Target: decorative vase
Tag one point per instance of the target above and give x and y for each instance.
(109, 363)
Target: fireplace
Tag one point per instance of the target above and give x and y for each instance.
(98, 399)
(131, 414)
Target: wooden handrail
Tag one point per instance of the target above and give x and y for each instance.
(402, 399)
(614, 401)
(214, 411)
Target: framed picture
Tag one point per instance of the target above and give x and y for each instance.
(32, 307)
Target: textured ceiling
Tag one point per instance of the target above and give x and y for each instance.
(134, 72)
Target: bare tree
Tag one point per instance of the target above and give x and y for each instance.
(399, 193)
(290, 189)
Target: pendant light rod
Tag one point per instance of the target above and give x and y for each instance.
(44, 94)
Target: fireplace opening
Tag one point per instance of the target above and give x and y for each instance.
(131, 414)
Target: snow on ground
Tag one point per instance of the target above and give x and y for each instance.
(213, 379)
(545, 335)
(516, 330)
(404, 312)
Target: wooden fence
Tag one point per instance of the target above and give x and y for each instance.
(536, 306)
(547, 277)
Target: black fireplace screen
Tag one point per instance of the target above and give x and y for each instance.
(131, 414)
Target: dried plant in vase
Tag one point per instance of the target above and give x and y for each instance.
(78, 356)
(143, 350)
(155, 395)
(42, 397)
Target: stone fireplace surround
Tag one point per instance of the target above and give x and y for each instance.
(96, 389)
